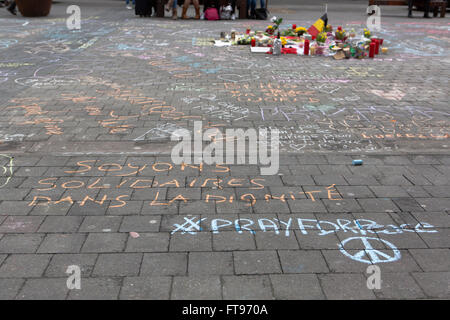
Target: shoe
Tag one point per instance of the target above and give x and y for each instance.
(202, 17)
(13, 11)
(183, 15)
(426, 15)
(129, 7)
(174, 14)
(233, 17)
(197, 13)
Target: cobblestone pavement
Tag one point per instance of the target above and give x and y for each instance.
(87, 178)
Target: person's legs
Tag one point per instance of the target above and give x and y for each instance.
(127, 2)
(233, 6)
(410, 4)
(263, 3)
(185, 8)
(251, 5)
(427, 9)
(12, 8)
(174, 10)
(197, 9)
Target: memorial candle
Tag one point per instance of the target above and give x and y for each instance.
(377, 46)
(372, 50)
(306, 48)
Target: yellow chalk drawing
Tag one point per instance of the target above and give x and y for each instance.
(7, 170)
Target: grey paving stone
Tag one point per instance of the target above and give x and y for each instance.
(13, 194)
(196, 288)
(88, 209)
(316, 241)
(306, 206)
(432, 259)
(355, 192)
(62, 243)
(247, 288)
(233, 241)
(9, 288)
(48, 210)
(104, 242)
(256, 262)
(117, 264)
(378, 205)
(24, 266)
(407, 204)
(14, 224)
(302, 261)
(296, 287)
(20, 243)
(146, 288)
(201, 241)
(406, 263)
(140, 224)
(44, 289)
(329, 179)
(298, 180)
(434, 204)
(405, 240)
(339, 263)
(416, 191)
(437, 219)
(393, 180)
(148, 242)
(422, 159)
(344, 205)
(434, 284)
(60, 263)
(440, 239)
(272, 240)
(271, 206)
(57, 224)
(164, 264)
(360, 179)
(398, 286)
(389, 191)
(210, 263)
(345, 286)
(97, 289)
(100, 224)
(131, 208)
(437, 191)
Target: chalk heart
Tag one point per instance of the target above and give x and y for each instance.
(297, 146)
(328, 88)
(238, 77)
(394, 94)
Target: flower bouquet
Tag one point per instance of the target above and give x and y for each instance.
(275, 25)
(340, 35)
(321, 39)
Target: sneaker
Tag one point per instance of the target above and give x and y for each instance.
(202, 17)
(233, 17)
(13, 11)
(129, 7)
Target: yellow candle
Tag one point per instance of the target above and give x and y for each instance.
(384, 50)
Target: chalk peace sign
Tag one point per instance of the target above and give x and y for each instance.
(370, 255)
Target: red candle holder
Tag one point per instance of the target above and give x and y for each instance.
(306, 48)
(372, 50)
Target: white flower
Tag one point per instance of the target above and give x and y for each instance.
(273, 19)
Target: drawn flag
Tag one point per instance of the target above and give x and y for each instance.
(318, 26)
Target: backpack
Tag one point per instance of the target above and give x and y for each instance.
(225, 14)
(211, 14)
(262, 13)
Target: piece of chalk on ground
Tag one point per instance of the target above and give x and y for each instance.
(357, 162)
